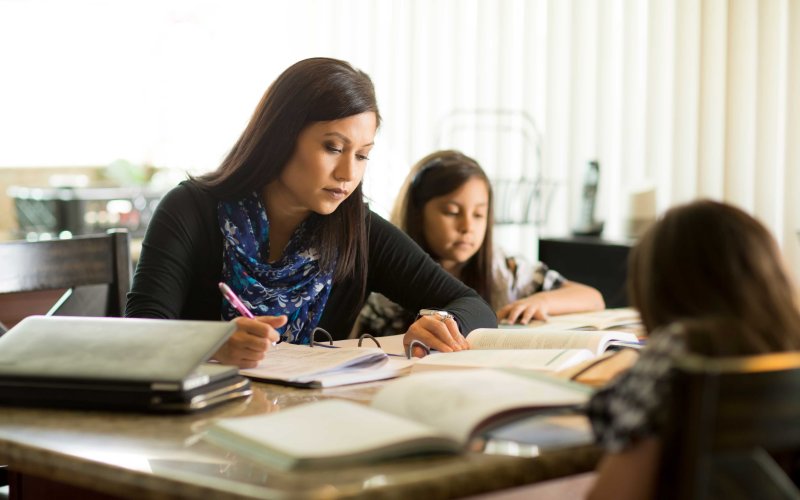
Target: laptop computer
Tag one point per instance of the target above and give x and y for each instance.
(117, 364)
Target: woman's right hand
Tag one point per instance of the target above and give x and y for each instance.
(441, 335)
(251, 340)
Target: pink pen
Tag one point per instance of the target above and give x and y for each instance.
(236, 302)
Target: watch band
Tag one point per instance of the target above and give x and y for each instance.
(438, 313)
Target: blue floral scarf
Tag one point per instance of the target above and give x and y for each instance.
(294, 285)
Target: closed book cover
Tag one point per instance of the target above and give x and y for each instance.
(119, 350)
(116, 364)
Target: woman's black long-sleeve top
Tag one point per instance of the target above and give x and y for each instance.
(181, 264)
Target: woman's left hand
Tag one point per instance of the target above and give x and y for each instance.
(524, 310)
(439, 334)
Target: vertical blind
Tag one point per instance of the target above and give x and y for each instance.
(688, 98)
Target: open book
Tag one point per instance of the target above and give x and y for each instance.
(437, 412)
(600, 370)
(540, 338)
(304, 366)
(609, 319)
(544, 360)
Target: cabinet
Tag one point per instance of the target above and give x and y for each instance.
(596, 262)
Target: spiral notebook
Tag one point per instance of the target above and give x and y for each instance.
(116, 364)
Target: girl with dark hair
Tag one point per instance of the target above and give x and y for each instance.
(445, 206)
(283, 223)
(707, 278)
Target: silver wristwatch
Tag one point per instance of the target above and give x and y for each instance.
(438, 313)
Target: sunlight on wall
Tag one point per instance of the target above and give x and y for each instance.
(173, 83)
(691, 98)
(168, 83)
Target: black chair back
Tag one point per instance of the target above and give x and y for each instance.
(96, 271)
(733, 428)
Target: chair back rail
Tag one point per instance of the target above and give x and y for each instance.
(96, 271)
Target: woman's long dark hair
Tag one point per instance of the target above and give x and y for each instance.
(312, 90)
(436, 175)
(716, 269)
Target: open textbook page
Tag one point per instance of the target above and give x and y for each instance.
(618, 320)
(544, 360)
(460, 404)
(544, 350)
(334, 433)
(541, 338)
(625, 319)
(437, 412)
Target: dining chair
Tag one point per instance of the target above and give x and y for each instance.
(94, 270)
(733, 429)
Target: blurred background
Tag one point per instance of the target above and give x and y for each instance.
(104, 105)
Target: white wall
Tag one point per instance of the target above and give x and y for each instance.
(694, 97)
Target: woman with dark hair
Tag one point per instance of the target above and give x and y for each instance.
(446, 206)
(707, 278)
(283, 223)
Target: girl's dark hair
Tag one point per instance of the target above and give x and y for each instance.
(436, 175)
(716, 269)
(313, 90)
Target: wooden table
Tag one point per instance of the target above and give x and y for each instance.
(61, 453)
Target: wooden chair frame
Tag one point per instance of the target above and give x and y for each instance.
(95, 270)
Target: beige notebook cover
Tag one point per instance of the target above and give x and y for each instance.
(109, 349)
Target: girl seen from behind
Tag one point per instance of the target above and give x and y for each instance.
(707, 278)
(445, 206)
